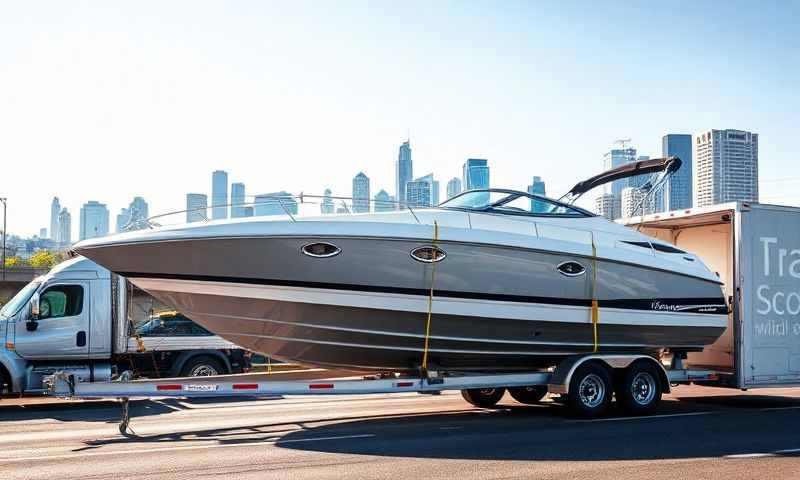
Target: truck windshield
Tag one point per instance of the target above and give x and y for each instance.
(20, 299)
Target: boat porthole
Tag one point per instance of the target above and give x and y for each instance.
(321, 250)
(571, 269)
(428, 254)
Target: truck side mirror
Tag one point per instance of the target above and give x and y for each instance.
(32, 324)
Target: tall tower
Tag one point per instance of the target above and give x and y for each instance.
(476, 174)
(64, 227)
(361, 193)
(237, 200)
(94, 220)
(404, 171)
(55, 211)
(537, 187)
(726, 167)
(219, 194)
(678, 189)
(453, 187)
(326, 207)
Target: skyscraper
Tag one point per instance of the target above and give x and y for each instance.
(383, 202)
(631, 202)
(94, 220)
(123, 218)
(616, 158)
(433, 195)
(219, 194)
(43, 233)
(608, 205)
(476, 173)
(55, 211)
(64, 227)
(361, 193)
(453, 187)
(537, 187)
(677, 191)
(326, 207)
(405, 169)
(418, 193)
(196, 207)
(138, 211)
(277, 203)
(726, 167)
(237, 200)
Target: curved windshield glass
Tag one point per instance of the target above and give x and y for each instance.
(511, 202)
(20, 299)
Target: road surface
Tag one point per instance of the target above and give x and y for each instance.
(697, 433)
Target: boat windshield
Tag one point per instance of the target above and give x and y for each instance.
(512, 202)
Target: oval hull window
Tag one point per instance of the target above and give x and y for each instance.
(571, 269)
(321, 250)
(428, 254)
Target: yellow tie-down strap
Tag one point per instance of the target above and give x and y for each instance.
(430, 303)
(595, 305)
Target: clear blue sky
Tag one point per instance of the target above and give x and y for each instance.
(107, 100)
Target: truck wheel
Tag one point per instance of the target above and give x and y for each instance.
(590, 390)
(483, 397)
(5, 383)
(202, 367)
(639, 390)
(528, 395)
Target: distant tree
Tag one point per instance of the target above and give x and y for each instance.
(45, 259)
(12, 262)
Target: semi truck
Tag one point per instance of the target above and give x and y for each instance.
(92, 324)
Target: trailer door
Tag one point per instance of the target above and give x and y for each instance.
(770, 282)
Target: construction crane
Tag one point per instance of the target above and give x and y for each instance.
(622, 142)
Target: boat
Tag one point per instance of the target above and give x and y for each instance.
(490, 280)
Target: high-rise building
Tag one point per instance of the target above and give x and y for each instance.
(94, 220)
(196, 207)
(433, 195)
(405, 169)
(418, 193)
(361, 193)
(537, 187)
(326, 207)
(616, 158)
(726, 167)
(64, 227)
(219, 194)
(55, 211)
(453, 187)
(138, 212)
(631, 202)
(608, 205)
(123, 219)
(237, 200)
(383, 202)
(677, 192)
(476, 173)
(43, 233)
(277, 203)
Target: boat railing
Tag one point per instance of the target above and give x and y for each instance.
(295, 207)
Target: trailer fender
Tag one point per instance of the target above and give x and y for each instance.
(183, 357)
(559, 382)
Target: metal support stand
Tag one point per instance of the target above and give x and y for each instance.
(125, 420)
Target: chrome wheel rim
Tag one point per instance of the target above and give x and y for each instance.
(592, 390)
(643, 388)
(203, 371)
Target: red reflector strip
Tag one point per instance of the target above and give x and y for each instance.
(405, 384)
(168, 387)
(245, 386)
(315, 386)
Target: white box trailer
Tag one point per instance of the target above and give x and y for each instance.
(755, 249)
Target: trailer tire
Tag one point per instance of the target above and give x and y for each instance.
(639, 390)
(528, 395)
(202, 366)
(483, 397)
(590, 390)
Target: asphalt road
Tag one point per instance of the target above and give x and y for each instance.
(698, 433)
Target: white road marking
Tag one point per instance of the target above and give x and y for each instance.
(619, 419)
(76, 455)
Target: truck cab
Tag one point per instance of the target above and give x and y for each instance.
(81, 318)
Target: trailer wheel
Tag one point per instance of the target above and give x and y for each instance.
(590, 390)
(483, 397)
(202, 367)
(639, 390)
(528, 395)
